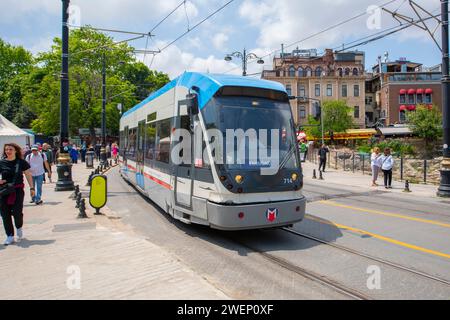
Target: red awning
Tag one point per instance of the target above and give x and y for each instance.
(429, 91)
(420, 91)
(411, 91)
(403, 108)
(403, 91)
(411, 107)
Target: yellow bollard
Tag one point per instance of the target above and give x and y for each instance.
(98, 192)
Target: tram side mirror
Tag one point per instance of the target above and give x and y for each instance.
(192, 103)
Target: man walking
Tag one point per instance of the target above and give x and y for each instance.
(37, 162)
(323, 157)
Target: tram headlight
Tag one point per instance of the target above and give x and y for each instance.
(239, 179)
(294, 177)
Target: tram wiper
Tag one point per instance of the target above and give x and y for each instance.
(286, 157)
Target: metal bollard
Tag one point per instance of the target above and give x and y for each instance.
(78, 200)
(407, 189)
(314, 174)
(77, 190)
(82, 212)
(320, 175)
(110, 163)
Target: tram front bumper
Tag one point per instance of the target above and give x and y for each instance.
(255, 216)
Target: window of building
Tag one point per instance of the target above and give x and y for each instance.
(402, 98)
(329, 90)
(301, 72)
(318, 72)
(291, 71)
(355, 71)
(356, 112)
(347, 71)
(162, 151)
(301, 91)
(340, 72)
(308, 72)
(428, 98)
(356, 90)
(317, 90)
(402, 116)
(369, 100)
(344, 90)
(302, 112)
(411, 98)
(419, 98)
(289, 89)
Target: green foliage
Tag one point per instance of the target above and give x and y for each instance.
(426, 123)
(398, 147)
(30, 88)
(336, 118)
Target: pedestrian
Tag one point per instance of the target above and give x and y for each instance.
(83, 152)
(375, 163)
(49, 153)
(115, 152)
(74, 154)
(108, 151)
(323, 157)
(37, 162)
(12, 169)
(303, 151)
(387, 163)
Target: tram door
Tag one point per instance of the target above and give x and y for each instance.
(185, 171)
(140, 155)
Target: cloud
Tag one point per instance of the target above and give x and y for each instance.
(219, 41)
(175, 61)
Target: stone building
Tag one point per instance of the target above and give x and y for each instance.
(331, 76)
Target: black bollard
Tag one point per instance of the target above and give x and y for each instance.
(320, 175)
(78, 200)
(407, 189)
(110, 162)
(77, 190)
(82, 212)
(314, 174)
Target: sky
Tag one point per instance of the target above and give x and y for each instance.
(259, 26)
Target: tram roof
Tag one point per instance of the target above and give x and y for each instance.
(208, 85)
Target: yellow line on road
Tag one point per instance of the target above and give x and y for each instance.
(377, 236)
(396, 215)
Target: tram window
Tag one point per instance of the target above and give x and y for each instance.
(131, 152)
(150, 138)
(163, 141)
(141, 136)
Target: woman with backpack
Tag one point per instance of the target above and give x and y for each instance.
(387, 163)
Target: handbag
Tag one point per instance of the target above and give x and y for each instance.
(8, 188)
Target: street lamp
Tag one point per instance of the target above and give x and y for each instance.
(64, 168)
(244, 56)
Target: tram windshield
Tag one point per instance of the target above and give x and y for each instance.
(251, 115)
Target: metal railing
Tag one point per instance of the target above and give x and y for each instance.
(414, 170)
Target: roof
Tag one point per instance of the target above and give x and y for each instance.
(208, 85)
(7, 128)
(392, 131)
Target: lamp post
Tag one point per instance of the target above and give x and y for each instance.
(244, 56)
(444, 188)
(64, 168)
(103, 155)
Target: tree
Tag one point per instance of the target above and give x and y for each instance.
(426, 123)
(336, 118)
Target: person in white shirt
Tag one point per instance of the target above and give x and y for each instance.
(387, 163)
(37, 162)
(375, 162)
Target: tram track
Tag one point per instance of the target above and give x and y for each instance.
(367, 256)
(308, 274)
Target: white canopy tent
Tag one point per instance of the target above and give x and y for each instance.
(9, 132)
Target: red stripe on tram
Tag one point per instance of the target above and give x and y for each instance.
(160, 182)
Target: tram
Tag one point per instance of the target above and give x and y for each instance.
(216, 175)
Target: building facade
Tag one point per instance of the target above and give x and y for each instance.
(397, 87)
(332, 76)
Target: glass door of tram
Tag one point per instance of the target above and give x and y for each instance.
(140, 155)
(184, 172)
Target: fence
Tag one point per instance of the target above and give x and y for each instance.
(411, 169)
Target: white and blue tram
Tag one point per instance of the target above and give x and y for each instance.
(220, 194)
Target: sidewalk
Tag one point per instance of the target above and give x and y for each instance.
(63, 257)
(363, 182)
